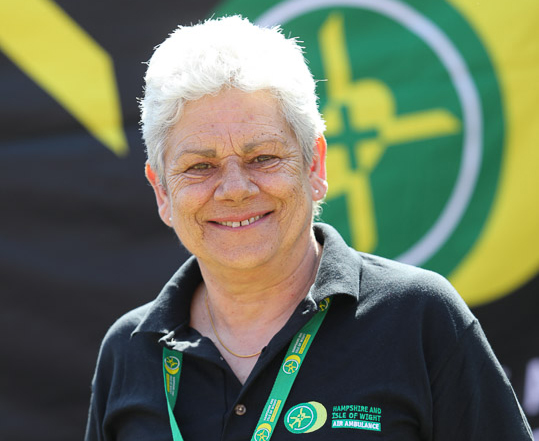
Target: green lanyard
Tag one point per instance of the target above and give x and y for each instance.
(172, 364)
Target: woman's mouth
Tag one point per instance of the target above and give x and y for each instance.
(243, 223)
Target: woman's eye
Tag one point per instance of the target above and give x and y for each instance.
(200, 166)
(263, 158)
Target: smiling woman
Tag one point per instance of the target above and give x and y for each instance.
(231, 158)
(271, 303)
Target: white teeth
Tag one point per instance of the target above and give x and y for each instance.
(243, 223)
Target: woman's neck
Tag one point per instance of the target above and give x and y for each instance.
(240, 313)
(239, 299)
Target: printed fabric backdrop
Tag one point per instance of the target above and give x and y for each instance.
(432, 128)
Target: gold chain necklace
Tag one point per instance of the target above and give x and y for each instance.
(217, 335)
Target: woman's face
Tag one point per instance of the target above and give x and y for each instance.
(237, 188)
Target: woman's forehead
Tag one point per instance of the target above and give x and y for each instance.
(232, 106)
(242, 120)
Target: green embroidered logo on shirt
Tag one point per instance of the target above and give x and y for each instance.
(353, 416)
(305, 417)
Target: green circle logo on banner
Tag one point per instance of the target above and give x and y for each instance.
(412, 168)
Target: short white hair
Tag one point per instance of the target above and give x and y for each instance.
(228, 52)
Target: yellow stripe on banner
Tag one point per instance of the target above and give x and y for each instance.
(274, 414)
(307, 338)
(64, 60)
(507, 253)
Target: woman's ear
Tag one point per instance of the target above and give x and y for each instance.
(161, 196)
(317, 175)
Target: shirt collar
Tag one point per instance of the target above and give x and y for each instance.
(338, 273)
(340, 266)
(171, 307)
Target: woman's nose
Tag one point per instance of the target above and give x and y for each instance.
(236, 182)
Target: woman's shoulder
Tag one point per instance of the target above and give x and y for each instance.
(387, 286)
(123, 328)
(402, 278)
(408, 290)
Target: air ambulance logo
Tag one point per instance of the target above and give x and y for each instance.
(324, 304)
(412, 169)
(291, 364)
(305, 417)
(172, 365)
(262, 432)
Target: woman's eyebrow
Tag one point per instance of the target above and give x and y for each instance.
(250, 146)
(212, 153)
(207, 153)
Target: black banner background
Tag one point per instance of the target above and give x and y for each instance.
(81, 242)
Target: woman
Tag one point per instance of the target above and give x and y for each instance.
(274, 326)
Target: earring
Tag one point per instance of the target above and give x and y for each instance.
(170, 219)
(317, 191)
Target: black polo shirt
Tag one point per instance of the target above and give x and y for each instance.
(399, 356)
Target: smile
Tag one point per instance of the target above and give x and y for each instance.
(242, 223)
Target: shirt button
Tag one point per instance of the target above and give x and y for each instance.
(240, 409)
